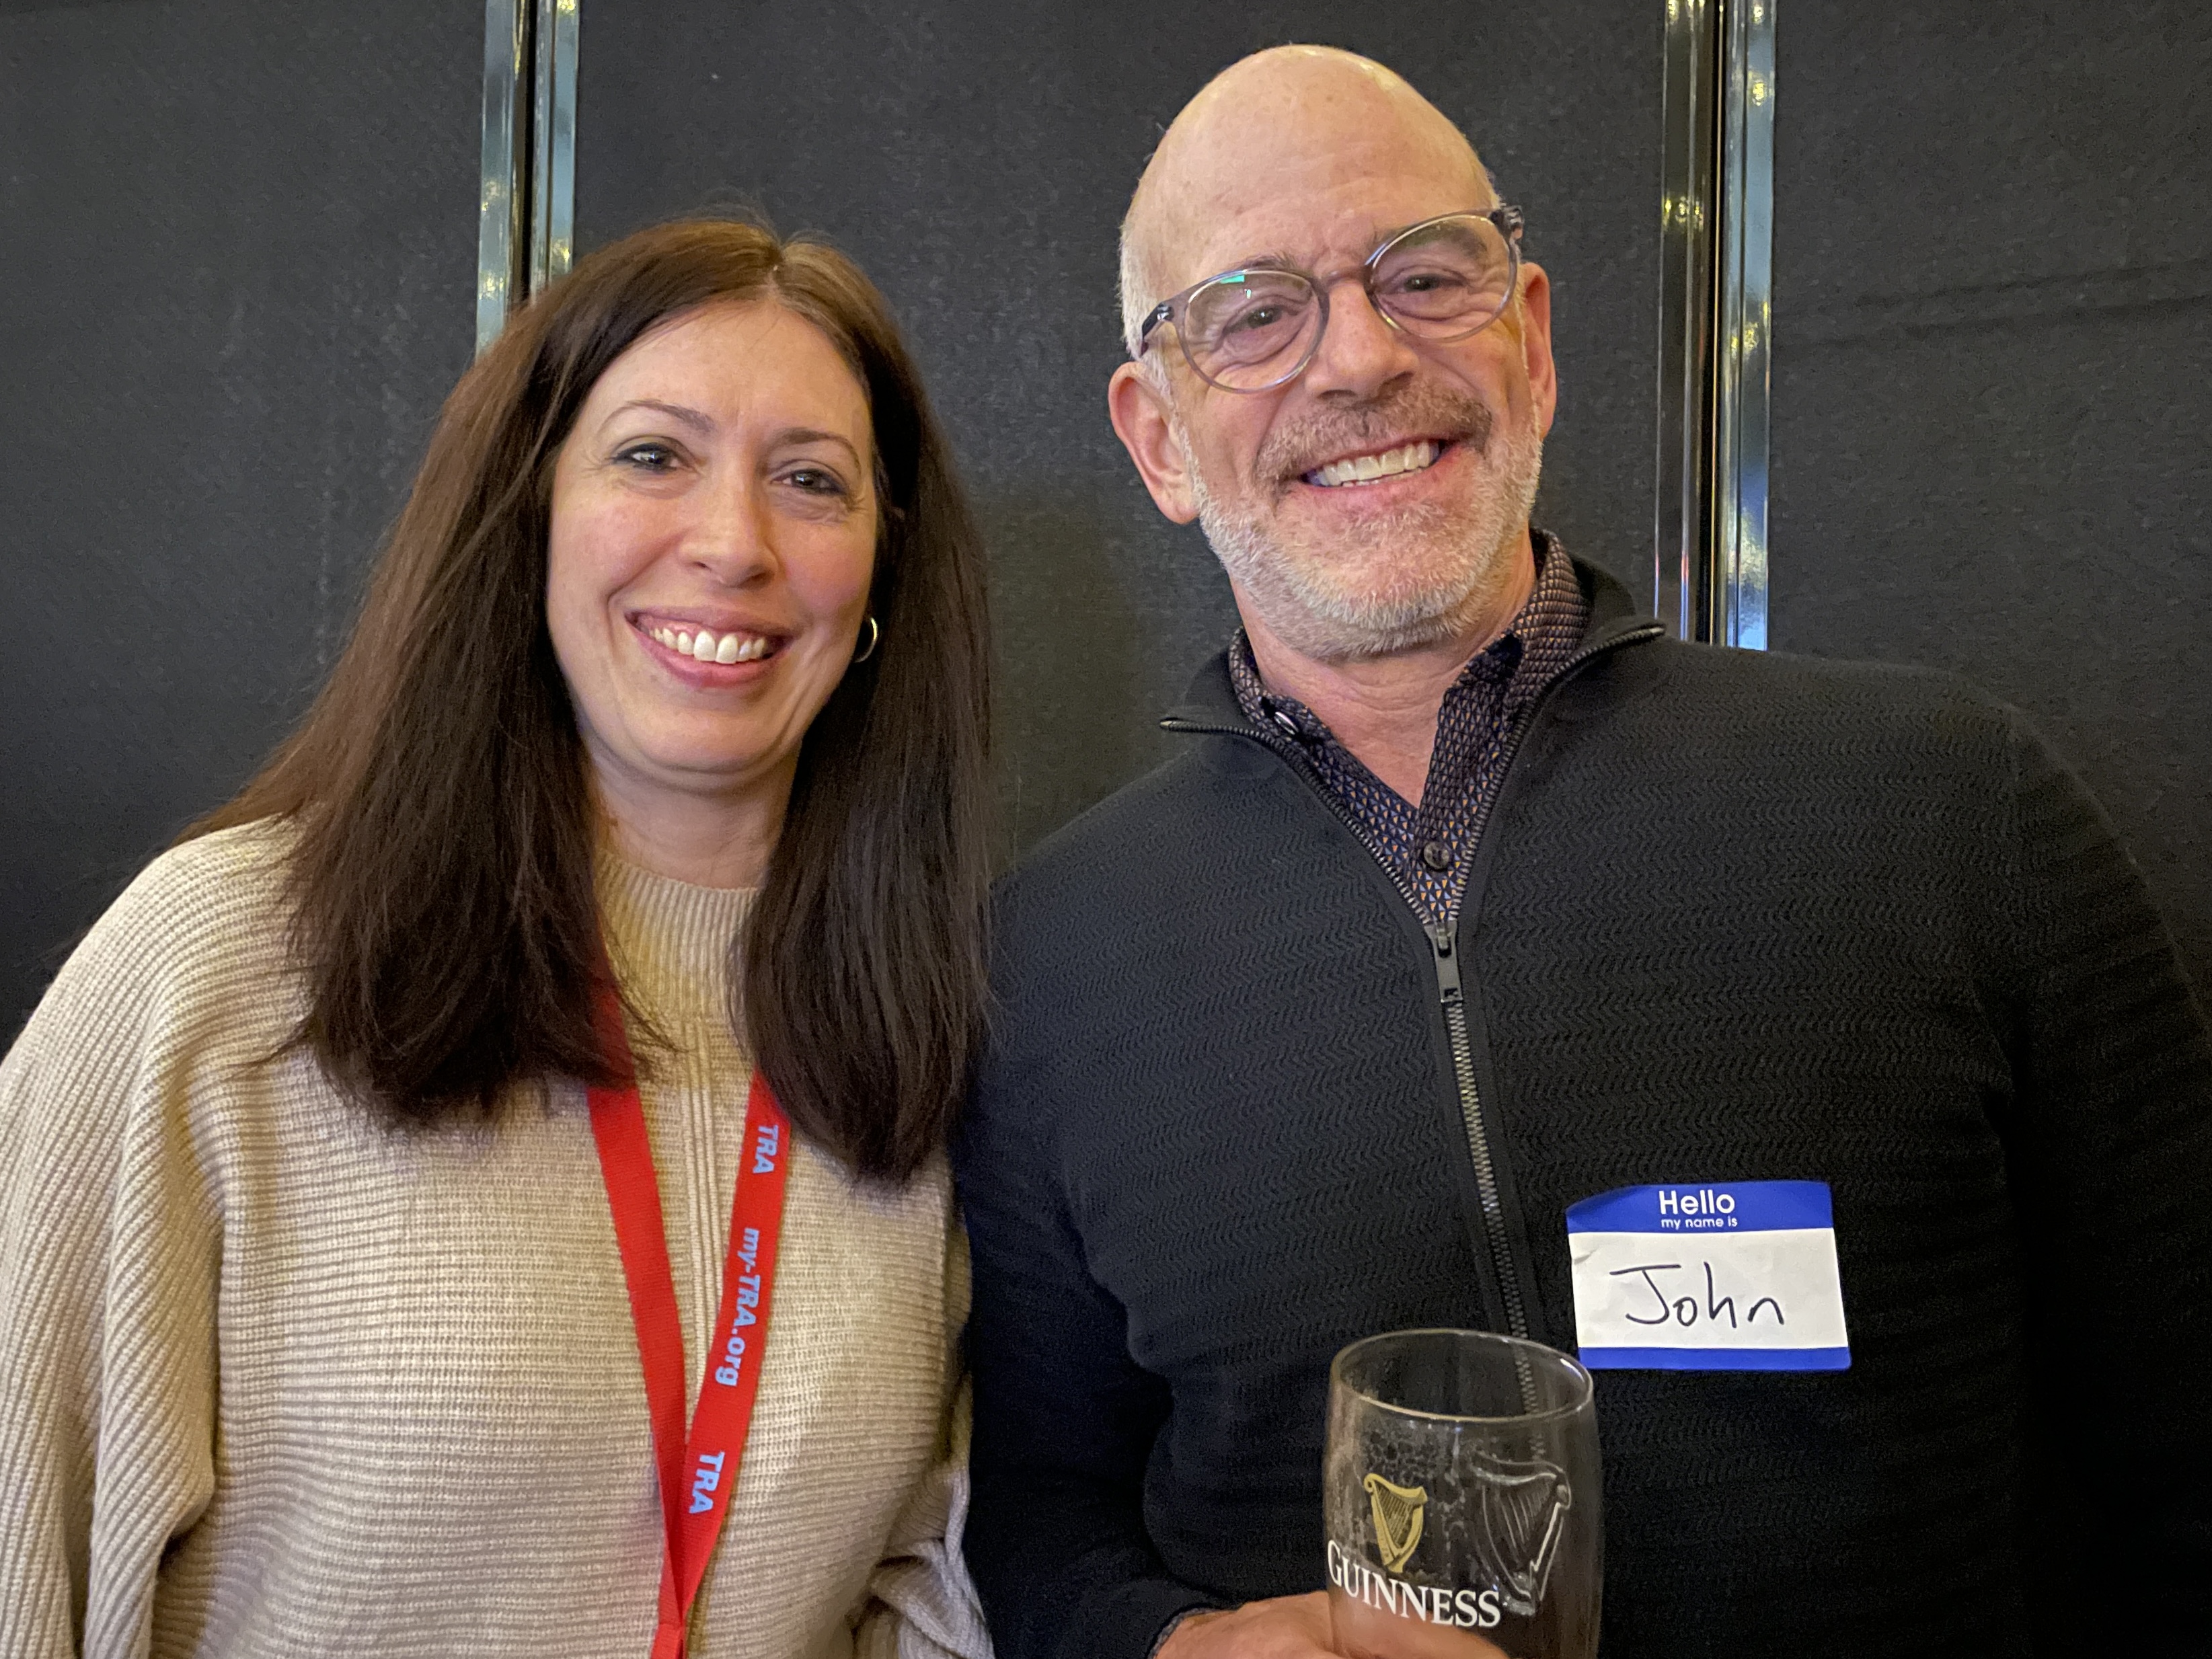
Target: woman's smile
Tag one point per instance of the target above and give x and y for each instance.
(700, 653)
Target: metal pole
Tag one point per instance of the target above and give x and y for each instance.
(556, 229)
(1746, 284)
(502, 225)
(1679, 535)
(1709, 553)
(526, 233)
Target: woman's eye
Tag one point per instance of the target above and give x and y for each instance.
(648, 458)
(815, 481)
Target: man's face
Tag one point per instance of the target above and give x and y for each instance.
(1343, 567)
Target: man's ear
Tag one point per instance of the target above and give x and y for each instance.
(1142, 422)
(1536, 343)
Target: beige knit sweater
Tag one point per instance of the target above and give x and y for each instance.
(277, 1380)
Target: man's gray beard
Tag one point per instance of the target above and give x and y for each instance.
(1313, 611)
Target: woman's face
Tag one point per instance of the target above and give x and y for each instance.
(713, 532)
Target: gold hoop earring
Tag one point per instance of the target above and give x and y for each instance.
(875, 638)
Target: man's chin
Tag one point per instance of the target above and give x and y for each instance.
(1339, 629)
(1318, 590)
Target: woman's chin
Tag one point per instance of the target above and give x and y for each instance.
(685, 762)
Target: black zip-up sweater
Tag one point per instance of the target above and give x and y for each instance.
(1732, 917)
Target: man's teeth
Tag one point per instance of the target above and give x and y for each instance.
(1360, 469)
(705, 646)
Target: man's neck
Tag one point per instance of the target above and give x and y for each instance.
(1385, 709)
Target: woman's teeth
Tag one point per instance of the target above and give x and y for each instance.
(705, 646)
(1361, 469)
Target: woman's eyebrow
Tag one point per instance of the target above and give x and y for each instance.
(811, 435)
(697, 420)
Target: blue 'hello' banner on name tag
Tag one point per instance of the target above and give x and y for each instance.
(1708, 1276)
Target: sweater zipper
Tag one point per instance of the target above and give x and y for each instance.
(1441, 944)
(1444, 951)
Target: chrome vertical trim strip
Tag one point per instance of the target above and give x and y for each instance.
(560, 170)
(542, 78)
(501, 226)
(553, 148)
(526, 216)
(1746, 308)
(1685, 272)
(1716, 187)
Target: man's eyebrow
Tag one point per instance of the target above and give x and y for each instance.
(697, 420)
(1265, 262)
(1376, 237)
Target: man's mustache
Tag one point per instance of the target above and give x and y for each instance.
(1319, 436)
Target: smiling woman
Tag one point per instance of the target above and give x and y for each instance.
(662, 733)
(486, 721)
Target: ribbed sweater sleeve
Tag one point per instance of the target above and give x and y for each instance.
(2110, 1143)
(921, 1602)
(108, 1246)
(1065, 1419)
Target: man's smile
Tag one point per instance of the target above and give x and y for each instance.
(1362, 469)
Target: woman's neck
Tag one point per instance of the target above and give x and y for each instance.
(707, 839)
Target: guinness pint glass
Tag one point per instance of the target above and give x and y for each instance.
(1461, 1483)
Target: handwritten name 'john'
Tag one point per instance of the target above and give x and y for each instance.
(1684, 1310)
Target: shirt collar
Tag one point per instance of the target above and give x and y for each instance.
(1554, 591)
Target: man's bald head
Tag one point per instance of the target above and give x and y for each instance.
(1278, 121)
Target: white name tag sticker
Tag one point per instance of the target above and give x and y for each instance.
(1739, 1277)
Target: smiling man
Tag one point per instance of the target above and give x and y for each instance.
(1479, 928)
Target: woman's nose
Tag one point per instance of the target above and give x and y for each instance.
(733, 536)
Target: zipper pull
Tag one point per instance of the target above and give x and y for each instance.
(1440, 941)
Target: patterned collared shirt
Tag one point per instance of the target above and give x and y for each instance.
(1425, 848)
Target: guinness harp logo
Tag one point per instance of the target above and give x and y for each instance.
(1520, 1513)
(1397, 1520)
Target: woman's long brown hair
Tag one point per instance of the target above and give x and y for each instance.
(441, 875)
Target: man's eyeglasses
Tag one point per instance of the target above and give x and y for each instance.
(1255, 329)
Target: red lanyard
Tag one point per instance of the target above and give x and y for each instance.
(696, 1474)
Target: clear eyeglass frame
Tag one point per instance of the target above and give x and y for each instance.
(1504, 219)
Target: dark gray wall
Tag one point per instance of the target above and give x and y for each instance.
(1993, 324)
(237, 253)
(976, 158)
(239, 250)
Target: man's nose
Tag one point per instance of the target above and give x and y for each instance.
(1359, 353)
